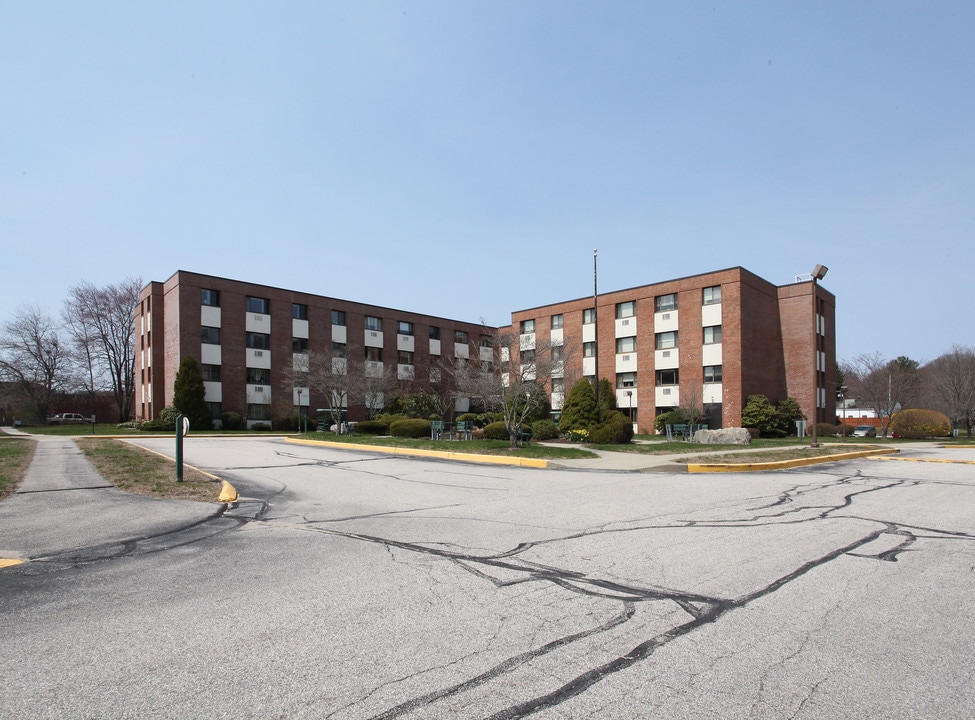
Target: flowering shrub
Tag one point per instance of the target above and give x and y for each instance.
(579, 435)
(920, 424)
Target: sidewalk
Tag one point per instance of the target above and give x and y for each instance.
(64, 506)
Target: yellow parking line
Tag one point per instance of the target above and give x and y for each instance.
(7, 562)
(930, 460)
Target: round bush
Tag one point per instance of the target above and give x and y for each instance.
(372, 427)
(231, 420)
(410, 428)
(496, 431)
(544, 430)
(614, 430)
(920, 424)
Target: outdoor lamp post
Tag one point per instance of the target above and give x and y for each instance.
(299, 409)
(818, 273)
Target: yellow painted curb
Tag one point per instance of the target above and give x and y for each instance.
(784, 464)
(228, 494)
(933, 460)
(8, 562)
(417, 452)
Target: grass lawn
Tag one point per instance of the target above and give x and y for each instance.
(139, 471)
(15, 456)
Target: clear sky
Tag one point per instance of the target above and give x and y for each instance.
(463, 159)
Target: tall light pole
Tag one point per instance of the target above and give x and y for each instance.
(595, 320)
(818, 273)
(299, 408)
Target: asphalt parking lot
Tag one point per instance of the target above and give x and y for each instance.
(356, 585)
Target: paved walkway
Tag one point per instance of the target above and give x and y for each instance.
(63, 504)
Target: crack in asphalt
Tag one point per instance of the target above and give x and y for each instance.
(702, 609)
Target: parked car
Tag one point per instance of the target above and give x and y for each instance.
(864, 431)
(67, 419)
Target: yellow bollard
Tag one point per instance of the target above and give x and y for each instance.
(228, 494)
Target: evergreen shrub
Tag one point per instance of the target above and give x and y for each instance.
(231, 420)
(496, 431)
(410, 428)
(372, 427)
(544, 430)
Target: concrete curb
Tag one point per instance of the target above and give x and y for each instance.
(785, 464)
(463, 457)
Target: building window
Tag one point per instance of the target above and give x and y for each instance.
(299, 345)
(460, 337)
(625, 309)
(626, 380)
(338, 317)
(258, 376)
(434, 332)
(712, 334)
(299, 312)
(405, 358)
(626, 345)
(258, 341)
(210, 297)
(589, 349)
(374, 354)
(668, 377)
(258, 412)
(558, 385)
(216, 410)
(404, 328)
(487, 341)
(558, 353)
(526, 357)
(665, 340)
(557, 322)
(527, 326)
(210, 335)
(712, 295)
(712, 373)
(374, 323)
(588, 316)
(261, 306)
(665, 303)
(340, 350)
(210, 373)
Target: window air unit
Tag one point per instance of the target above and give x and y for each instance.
(666, 353)
(666, 391)
(665, 316)
(258, 353)
(626, 322)
(626, 358)
(259, 389)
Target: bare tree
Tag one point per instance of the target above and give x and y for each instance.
(950, 380)
(518, 390)
(34, 357)
(884, 385)
(336, 376)
(99, 321)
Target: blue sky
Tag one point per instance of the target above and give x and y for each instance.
(464, 158)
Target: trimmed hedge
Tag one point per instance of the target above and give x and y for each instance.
(372, 427)
(410, 428)
(231, 420)
(496, 431)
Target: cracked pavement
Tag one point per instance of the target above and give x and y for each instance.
(350, 585)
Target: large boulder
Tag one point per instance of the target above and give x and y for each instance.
(724, 436)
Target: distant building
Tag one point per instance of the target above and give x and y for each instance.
(707, 340)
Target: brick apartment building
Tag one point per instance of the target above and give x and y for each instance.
(248, 337)
(708, 340)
